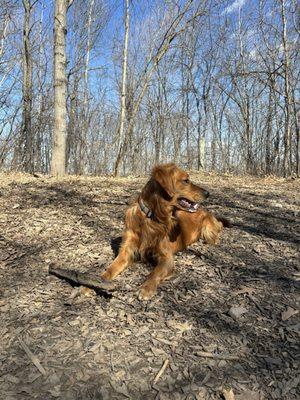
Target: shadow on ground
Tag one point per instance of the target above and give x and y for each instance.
(91, 347)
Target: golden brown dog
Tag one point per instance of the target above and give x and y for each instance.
(166, 218)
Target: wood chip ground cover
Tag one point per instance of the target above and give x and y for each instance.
(227, 323)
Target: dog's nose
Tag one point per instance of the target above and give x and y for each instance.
(206, 193)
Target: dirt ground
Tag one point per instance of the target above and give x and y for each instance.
(227, 322)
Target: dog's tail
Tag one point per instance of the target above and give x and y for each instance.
(224, 221)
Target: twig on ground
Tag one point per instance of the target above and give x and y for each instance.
(257, 305)
(100, 286)
(206, 378)
(217, 356)
(111, 362)
(32, 357)
(161, 371)
(164, 341)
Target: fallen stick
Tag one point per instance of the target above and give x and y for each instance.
(32, 357)
(217, 356)
(76, 278)
(161, 371)
(257, 305)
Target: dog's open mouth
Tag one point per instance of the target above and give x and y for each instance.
(188, 205)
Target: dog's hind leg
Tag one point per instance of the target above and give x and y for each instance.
(125, 258)
(210, 229)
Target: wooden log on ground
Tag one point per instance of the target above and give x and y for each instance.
(76, 278)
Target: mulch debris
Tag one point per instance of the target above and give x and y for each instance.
(225, 327)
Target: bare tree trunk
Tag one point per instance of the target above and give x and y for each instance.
(58, 162)
(248, 135)
(268, 164)
(270, 153)
(124, 80)
(287, 128)
(39, 135)
(27, 133)
(4, 29)
(73, 140)
(296, 116)
(84, 133)
(187, 125)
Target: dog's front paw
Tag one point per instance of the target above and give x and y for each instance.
(106, 275)
(147, 291)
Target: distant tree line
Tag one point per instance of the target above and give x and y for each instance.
(112, 87)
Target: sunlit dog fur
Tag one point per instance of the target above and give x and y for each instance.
(175, 221)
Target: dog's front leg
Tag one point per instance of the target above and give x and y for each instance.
(161, 272)
(125, 257)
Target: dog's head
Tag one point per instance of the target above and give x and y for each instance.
(177, 188)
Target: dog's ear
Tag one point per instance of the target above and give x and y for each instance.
(163, 174)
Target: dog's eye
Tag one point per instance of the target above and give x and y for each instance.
(186, 181)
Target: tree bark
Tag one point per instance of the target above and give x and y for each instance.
(84, 133)
(287, 100)
(124, 80)
(58, 162)
(41, 98)
(27, 133)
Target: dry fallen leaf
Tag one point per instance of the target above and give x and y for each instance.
(227, 392)
(294, 328)
(288, 313)
(182, 327)
(248, 395)
(120, 387)
(157, 352)
(12, 379)
(292, 383)
(245, 290)
(74, 293)
(296, 276)
(237, 312)
(55, 392)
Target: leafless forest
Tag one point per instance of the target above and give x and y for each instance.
(112, 87)
(93, 93)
